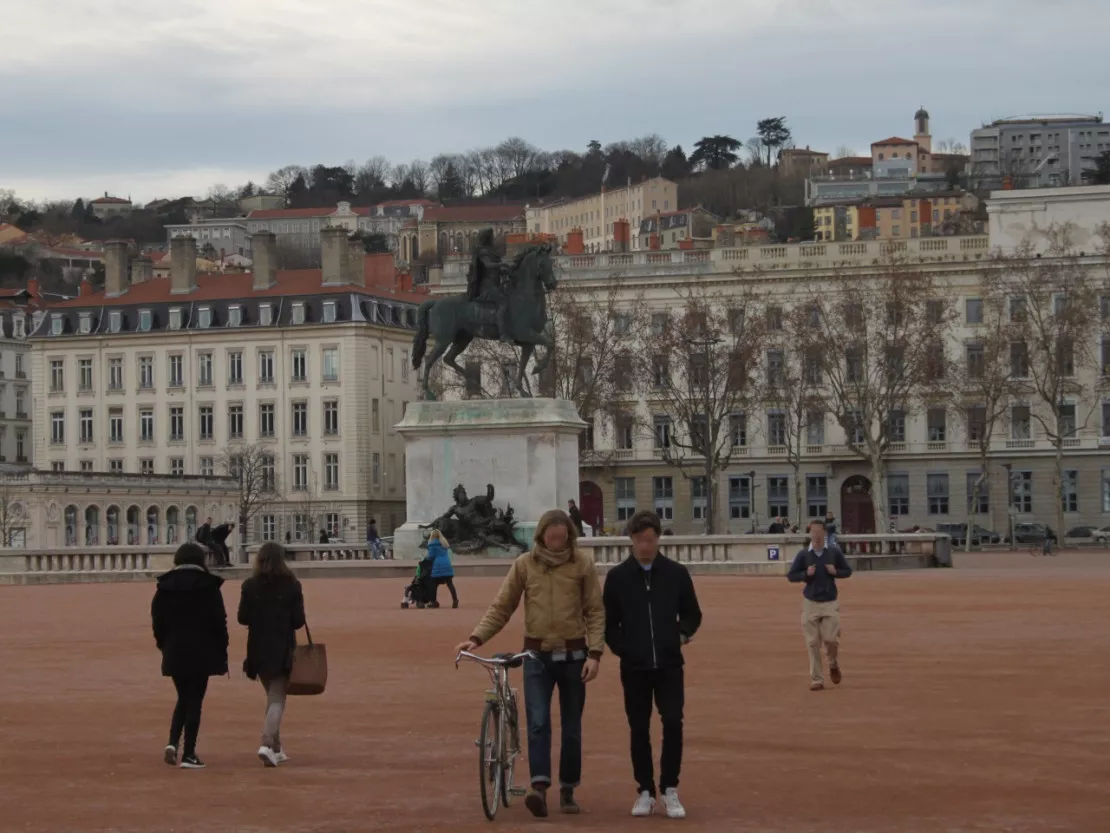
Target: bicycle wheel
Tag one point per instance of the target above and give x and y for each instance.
(511, 745)
(489, 760)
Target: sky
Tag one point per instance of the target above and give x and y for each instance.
(147, 99)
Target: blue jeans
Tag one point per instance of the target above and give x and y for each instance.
(540, 679)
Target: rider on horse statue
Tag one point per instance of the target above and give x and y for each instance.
(486, 281)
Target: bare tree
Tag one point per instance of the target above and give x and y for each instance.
(254, 467)
(652, 149)
(1053, 305)
(418, 175)
(13, 517)
(280, 180)
(696, 371)
(880, 343)
(843, 152)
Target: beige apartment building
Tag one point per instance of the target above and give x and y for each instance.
(929, 468)
(596, 214)
(170, 377)
(20, 311)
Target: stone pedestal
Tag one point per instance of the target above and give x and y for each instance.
(527, 448)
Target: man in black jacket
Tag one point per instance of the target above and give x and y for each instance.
(651, 611)
(819, 566)
(219, 543)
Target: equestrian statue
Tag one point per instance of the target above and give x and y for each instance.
(504, 301)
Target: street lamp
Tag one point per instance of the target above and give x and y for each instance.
(1009, 502)
(752, 486)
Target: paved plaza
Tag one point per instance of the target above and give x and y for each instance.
(973, 700)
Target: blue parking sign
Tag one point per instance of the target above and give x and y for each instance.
(772, 553)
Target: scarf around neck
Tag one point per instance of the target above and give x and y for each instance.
(551, 558)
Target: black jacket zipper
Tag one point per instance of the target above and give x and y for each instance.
(651, 618)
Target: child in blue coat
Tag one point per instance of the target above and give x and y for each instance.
(441, 571)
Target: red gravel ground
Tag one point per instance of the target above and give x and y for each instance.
(973, 700)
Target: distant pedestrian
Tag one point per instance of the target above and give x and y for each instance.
(271, 606)
(373, 540)
(218, 539)
(818, 566)
(776, 527)
(575, 517)
(190, 629)
(830, 528)
(441, 571)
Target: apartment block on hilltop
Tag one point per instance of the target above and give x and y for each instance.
(891, 218)
(1037, 151)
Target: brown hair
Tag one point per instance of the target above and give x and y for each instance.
(813, 521)
(189, 553)
(269, 563)
(642, 521)
(556, 516)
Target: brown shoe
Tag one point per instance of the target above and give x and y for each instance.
(816, 686)
(536, 802)
(835, 675)
(567, 804)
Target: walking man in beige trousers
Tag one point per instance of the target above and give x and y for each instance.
(818, 566)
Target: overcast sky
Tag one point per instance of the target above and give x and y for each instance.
(154, 98)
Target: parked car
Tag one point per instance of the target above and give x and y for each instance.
(958, 534)
(1094, 534)
(1030, 533)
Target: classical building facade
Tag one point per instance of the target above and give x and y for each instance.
(20, 311)
(175, 377)
(452, 230)
(599, 215)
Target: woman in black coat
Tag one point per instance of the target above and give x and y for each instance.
(271, 606)
(190, 629)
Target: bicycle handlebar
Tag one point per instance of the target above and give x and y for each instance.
(493, 661)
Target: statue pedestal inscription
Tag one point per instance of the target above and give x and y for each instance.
(527, 449)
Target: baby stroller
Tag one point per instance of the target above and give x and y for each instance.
(416, 593)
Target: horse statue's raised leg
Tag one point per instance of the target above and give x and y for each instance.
(526, 350)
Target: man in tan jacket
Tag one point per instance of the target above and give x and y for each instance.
(564, 622)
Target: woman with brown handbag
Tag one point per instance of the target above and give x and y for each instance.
(271, 606)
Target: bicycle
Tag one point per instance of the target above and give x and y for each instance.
(499, 738)
(1041, 546)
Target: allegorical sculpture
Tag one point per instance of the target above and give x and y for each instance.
(504, 301)
(473, 524)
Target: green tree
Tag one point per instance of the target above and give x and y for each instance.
(374, 242)
(1101, 173)
(715, 152)
(675, 164)
(773, 134)
(451, 185)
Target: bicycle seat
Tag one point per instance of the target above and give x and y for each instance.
(510, 660)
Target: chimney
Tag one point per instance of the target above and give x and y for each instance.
(115, 268)
(33, 287)
(142, 270)
(334, 255)
(622, 236)
(356, 262)
(84, 289)
(183, 265)
(264, 259)
(575, 242)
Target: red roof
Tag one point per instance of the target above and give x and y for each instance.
(299, 213)
(473, 213)
(894, 140)
(378, 272)
(854, 161)
(82, 254)
(111, 200)
(406, 202)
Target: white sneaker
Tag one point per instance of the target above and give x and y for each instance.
(644, 806)
(672, 805)
(282, 757)
(267, 756)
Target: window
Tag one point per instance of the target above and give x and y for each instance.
(266, 367)
(146, 319)
(934, 311)
(115, 425)
(84, 374)
(1021, 424)
(776, 429)
(976, 418)
(853, 427)
(811, 361)
(938, 425)
(376, 469)
(206, 422)
(626, 497)
(1065, 420)
(1106, 419)
(234, 316)
(898, 494)
(659, 323)
(1105, 356)
(738, 430)
(204, 370)
(300, 419)
(661, 430)
(937, 490)
(57, 465)
(739, 498)
(268, 527)
(1021, 491)
(115, 466)
(146, 372)
(19, 325)
(662, 490)
(146, 425)
(331, 417)
(235, 422)
(20, 408)
(853, 316)
(207, 467)
(57, 324)
(300, 472)
(329, 312)
(269, 473)
(778, 497)
(1017, 309)
(234, 367)
(266, 419)
(1065, 357)
(774, 318)
(298, 313)
(177, 466)
(775, 365)
(976, 360)
(86, 425)
(57, 375)
(815, 428)
(58, 427)
(265, 315)
(735, 321)
(299, 365)
(853, 358)
(115, 374)
(204, 317)
(817, 495)
(973, 310)
(146, 466)
(177, 371)
(175, 319)
(331, 364)
(625, 427)
(86, 323)
(177, 423)
(660, 372)
(978, 494)
(1106, 491)
(698, 498)
(331, 471)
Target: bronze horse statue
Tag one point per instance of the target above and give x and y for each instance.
(455, 321)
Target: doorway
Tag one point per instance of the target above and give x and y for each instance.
(857, 510)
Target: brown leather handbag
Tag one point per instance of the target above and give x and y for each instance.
(310, 668)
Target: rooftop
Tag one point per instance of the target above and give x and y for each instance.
(894, 140)
(106, 200)
(473, 213)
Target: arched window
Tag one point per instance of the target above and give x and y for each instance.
(71, 525)
(92, 526)
(112, 537)
(134, 523)
(173, 520)
(444, 245)
(152, 526)
(460, 244)
(415, 247)
(190, 523)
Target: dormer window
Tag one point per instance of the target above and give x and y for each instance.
(175, 319)
(146, 320)
(329, 312)
(86, 323)
(115, 321)
(234, 316)
(298, 313)
(204, 317)
(57, 324)
(265, 315)
(37, 318)
(19, 325)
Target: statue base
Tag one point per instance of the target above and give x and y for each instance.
(526, 448)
